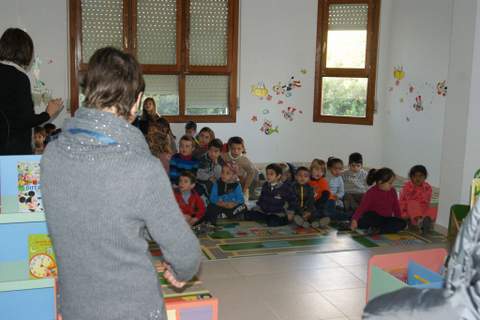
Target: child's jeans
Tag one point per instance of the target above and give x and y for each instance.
(214, 211)
(372, 219)
(271, 219)
(327, 208)
(351, 201)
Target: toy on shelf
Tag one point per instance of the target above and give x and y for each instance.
(390, 272)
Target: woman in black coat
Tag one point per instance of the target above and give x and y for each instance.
(17, 114)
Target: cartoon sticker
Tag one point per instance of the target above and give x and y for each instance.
(259, 90)
(268, 129)
(442, 88)
(289, 113)
(418, 105)
(398, 74)
(254, 119)
(279, 88)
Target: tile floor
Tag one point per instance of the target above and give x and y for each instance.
(289, 286)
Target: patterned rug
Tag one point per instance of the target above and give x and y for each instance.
(247, 238)
(235, 239)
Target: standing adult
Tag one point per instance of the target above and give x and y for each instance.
(99, 203)
(17, 114)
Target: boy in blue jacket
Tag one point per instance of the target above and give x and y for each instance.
(226, 197)
(277, 203)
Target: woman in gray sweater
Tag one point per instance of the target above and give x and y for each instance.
(102, 189)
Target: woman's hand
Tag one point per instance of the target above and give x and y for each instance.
(354, 225)
(54, 106)
(168, 275)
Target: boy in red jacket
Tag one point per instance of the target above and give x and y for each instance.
(188, 199)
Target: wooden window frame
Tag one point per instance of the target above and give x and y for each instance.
(182, 68)
(368, 72)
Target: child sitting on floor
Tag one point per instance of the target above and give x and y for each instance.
(183, 161)
(306, 213)
(355, 182)
(188, 199)
(242, 166)
(319, 184)
(226, 197)
(415, 198)
(39, 137)
(379, 211)
(204, 137)
(335, 181)
(275, 196)
(210, 165)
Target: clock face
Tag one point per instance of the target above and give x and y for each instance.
(43, 266)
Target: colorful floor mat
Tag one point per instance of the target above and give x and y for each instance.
(245, 238)
(401, 239)
(248, 238)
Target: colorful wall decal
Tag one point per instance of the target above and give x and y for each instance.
(280, 102)
(259, 90)
(418, 105)
(289, 113)
(303, 71)
(40, 93)
(279, 88)
(442, 88)
(268, 129)
(265, 111)
(254, 119)
(398, 74)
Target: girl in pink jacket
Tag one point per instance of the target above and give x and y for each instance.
(415, 197)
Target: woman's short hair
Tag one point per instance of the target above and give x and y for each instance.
(16, 46)
(113, 79)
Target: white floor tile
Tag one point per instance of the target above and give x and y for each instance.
(359, 271)
(280, 283)
(281, 263)
(302, 306)
(350, 301)
(351, 258)
(217, 269)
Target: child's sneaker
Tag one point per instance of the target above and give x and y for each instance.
(298, 220)
(321, 223)
(426, 225)
(373, 231)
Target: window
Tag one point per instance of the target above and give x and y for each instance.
(347, 36)
(187, 50)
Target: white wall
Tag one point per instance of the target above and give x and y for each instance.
(458, 100)
(46, 22)
(277, 40)
(420, 42)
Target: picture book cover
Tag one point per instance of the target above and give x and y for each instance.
(28, 184)
(20, 186)
(41, 257)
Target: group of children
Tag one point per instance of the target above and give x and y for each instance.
(211, 180)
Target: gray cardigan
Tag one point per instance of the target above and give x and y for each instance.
(101, 189)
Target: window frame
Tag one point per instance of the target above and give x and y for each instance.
(182, 68)
(368, 72)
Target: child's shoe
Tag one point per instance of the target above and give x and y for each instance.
(373, 231)
(321, 223)
(426, 225)
(299, 221)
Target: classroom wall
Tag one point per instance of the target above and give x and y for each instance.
(46, 22)
(419, 43)
(461, 152)
(277, 41)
